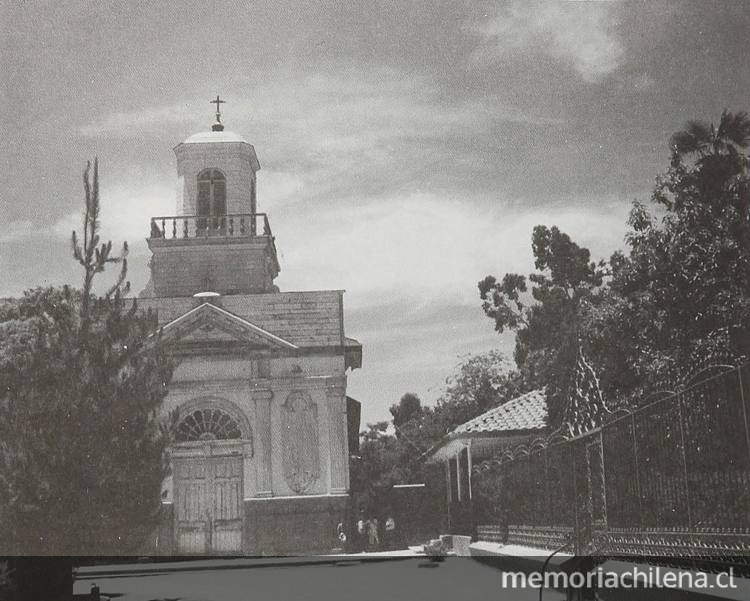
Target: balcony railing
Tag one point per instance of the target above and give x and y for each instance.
(179, 227)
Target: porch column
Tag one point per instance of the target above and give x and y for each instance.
(264, 485)
(448, 481)
(468, 461)
(458, 475)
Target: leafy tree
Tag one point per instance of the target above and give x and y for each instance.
(549, 325)
(677, 299)
(681, 297)
(81, 381)
(719, 164)
(480, 382)
(379, 465)
(408, 408)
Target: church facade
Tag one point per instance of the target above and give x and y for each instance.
(259, 459)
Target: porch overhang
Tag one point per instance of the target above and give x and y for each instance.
(484, 445)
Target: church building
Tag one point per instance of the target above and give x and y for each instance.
(259, 460)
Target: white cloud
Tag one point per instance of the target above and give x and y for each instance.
(280, 186)
(126, 209)
(580, 33)
(341, 115)
(425, 248)
(328, 112)
(638, 82)
(17, 230)
(133, 123)
(127, 206)
(411, 265)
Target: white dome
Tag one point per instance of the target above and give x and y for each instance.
(214, 136)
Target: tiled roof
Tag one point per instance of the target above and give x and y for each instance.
(526, 412)
(306, 319)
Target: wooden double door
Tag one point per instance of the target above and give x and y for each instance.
(208, 504)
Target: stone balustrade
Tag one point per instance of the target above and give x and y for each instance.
(179, 227)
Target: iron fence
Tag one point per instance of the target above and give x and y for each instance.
(673, 474)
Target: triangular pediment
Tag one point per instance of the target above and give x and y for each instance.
(209, 326)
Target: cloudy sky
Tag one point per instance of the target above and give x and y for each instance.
(407, 148)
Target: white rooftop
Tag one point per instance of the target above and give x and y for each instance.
(214, 136)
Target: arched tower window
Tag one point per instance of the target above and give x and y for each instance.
(207, 424)
(212, 193)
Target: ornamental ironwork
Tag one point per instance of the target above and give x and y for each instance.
(670, 478)
(586, 408)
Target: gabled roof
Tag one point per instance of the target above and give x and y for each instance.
(306, 319)
(219, 324)
(510, 423)
(526, 412)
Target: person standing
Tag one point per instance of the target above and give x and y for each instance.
(361, 533)
(390, 533)
(373, 532)
(341, 536)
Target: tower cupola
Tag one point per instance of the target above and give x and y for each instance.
(218, 241)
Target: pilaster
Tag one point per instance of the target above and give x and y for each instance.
(338, 435)
(262, 399)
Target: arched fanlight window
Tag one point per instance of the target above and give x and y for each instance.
(207, 424)
(212, 193)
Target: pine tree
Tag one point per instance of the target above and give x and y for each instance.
(82, 377)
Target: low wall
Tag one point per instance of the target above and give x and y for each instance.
(274, 526)
(293, 526)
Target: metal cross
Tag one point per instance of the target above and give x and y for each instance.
(217, 102)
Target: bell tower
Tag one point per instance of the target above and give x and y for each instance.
(260, 385)
(218, 242)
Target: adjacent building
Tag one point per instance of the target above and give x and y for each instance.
(500, 430)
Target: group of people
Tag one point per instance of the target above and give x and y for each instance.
(367, 536)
